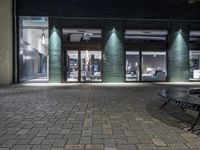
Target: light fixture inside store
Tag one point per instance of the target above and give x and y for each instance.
(43, 38)
(87, 59)
(87, 36)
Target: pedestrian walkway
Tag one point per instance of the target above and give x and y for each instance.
(87, 117)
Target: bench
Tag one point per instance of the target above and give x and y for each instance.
(183, 98)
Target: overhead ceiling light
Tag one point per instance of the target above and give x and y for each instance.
(146, 32)
(81, 30)
(87, 36)
(43, 38)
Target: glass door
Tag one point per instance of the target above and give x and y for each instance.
(132, 66)
(71, 68)
(91, 66)
(82, 66)
(194, 71)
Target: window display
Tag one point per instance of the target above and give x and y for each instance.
(154, 66)
(71, 70)
(33, 52)
(132, 66)
(194, 71)
(91, 66)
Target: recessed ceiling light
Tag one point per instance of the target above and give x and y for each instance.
(146, 32)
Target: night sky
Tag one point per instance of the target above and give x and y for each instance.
(136, 9)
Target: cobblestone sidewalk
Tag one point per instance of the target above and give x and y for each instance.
(86, 117)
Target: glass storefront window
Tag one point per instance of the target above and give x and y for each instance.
(33, 49)
(132, 66)
(91, 66)
(71, 70)
(194, 71)
(154, 66)
(148, 62)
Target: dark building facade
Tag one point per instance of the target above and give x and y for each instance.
(107, 41)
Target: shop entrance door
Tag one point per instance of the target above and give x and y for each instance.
(90, 66)
(83, 66)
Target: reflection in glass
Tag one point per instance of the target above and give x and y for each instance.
(72, 66)
(33, 57)
(154, 66)
(132, 66)
(91, 66)
(194, 72)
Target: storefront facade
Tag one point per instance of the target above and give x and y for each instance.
(101, 41)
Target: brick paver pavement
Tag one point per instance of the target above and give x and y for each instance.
(86, 116)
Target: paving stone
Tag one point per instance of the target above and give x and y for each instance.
(194, 145)
(72, 136)
(48, 141)
(59, 142)
(10, 137)
(75, 132)
(146, 147)
(86, 133)
(42, 133)
(189, 135)
(85, 140)
(25, 137)
(107, 131)
(21, 147)
(163, 148)
(178, 146)
(97, 141)
(4, 149)
(132, 140)
(109, 142)
(94, 147)
(74, 147)
(121, 141)
(54, 130)
(73, 141)
(158, 142)
(129, 133)
(23, 142)
(41, 147)
(110, 148)
(9, 143)
(65, 131)
(37, 140)
(126, 147)
(2, 140)
(57, 148)
(168, 140)
(23, 131)
(145, 140)
(54, 136)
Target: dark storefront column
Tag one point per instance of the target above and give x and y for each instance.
(113, 51)
(178, 55)
(55, 51)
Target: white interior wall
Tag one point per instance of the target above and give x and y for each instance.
(33, 37)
